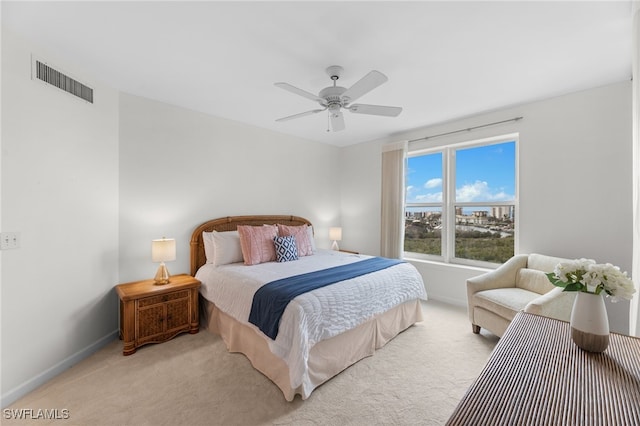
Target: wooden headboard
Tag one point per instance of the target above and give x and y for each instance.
(230, 223)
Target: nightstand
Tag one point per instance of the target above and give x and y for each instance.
(349, 251)
(151, 313)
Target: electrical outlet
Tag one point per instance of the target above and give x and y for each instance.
(9, 240)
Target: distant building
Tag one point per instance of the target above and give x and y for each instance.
(476, 218)
(502, 212)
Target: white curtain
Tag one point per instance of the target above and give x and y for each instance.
(634, 314)
(392, 213)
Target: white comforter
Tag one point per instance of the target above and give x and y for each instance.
(317, 315)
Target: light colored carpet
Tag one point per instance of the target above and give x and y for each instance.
(417, 378)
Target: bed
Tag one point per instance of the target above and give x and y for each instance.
(321, 332)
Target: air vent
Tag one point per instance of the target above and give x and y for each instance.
(54, 77)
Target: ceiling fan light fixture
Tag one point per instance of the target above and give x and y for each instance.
(334, 109)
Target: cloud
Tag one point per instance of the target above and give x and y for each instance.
(415, 194)
(428, 198)
(480, 191)
(433, 183)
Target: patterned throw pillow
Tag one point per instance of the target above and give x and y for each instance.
(286, 249)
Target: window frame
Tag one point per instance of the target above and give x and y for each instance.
(449, 204)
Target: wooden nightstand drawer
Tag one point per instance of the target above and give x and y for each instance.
(152, 313)
(163, 298)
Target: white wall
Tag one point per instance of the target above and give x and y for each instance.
(60, 192)
(361, 172)
(574, 182)
(179, 168)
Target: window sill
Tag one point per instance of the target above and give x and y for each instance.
(448, 266)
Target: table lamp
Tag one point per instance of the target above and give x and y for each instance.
(163, 250)
(335, 234)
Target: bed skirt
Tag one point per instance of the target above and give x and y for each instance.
(326, 359)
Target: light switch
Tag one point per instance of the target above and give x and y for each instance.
(9, 240)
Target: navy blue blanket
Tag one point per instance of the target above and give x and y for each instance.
(272, 298)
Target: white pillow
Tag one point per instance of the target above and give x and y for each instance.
(207, 239)
(226, 248)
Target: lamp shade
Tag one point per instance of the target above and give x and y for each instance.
(163, 250)
(335, 234)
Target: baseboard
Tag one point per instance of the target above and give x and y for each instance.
(449, 300)
(30, 385)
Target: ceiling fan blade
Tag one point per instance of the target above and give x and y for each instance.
(337, 121)
(302, 114)
(387, 111)
(364, 85)
(304, 93)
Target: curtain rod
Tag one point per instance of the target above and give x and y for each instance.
(468, 129)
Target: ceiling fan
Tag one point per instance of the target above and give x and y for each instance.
(335, 98)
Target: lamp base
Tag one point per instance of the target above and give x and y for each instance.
(334, 246)
(162, 276)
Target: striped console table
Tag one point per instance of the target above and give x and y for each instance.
(536, 375)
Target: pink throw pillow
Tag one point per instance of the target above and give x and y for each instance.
(256, 243)
(301, 234)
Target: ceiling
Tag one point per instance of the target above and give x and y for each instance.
(444, 60)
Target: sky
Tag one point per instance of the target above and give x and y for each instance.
(483, 174)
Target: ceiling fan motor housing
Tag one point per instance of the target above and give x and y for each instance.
(333, 95)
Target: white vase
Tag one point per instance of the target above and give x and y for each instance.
(589, 322)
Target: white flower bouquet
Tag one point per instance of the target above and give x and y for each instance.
(590, 277)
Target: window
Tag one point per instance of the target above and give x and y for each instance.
(461, 202)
